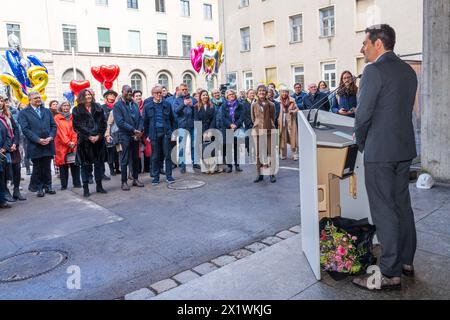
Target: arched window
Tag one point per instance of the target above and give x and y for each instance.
(68, 76)
(188, 79)
(136, 81)
(163, 80)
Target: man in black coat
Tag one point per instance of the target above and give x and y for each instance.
(39, 128)
(316, 99)
(131, 129)
(384, 131)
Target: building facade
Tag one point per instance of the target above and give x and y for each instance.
(287, 41)
(150, 40)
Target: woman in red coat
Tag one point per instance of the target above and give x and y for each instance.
(66, 147)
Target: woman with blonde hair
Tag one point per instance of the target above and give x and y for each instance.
(287, 124)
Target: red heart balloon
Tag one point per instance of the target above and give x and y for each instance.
(97, 74)
(108, 85)
(77, 86)
(110, 73)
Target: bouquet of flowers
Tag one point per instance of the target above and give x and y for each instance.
(339, 252)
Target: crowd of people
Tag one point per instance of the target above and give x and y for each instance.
(132, 135)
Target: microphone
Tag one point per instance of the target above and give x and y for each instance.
(357, 77)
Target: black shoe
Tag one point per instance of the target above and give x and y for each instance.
(238, 169)
(197, 167)
(106, 178)
(273, 179)
(86, 192)
(183, 170)
(125, 187)
(229, 169)
(259, 179)
(49, 190)
(100, 188)
(17, 195)
(137, 183)
(40, 193)
(63, 188)
(9, 197)
(32, 189)
(5, 205)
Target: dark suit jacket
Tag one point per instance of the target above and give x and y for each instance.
(35, 128)
(150, 129)
(384, 127)
(127, 120)
(319, 99)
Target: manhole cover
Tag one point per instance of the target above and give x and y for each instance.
(187, 185)
(29, 265)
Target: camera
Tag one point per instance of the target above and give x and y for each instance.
(224, 88)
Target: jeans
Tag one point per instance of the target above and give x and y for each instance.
(130, 155)
(86, 172)
(161, 143)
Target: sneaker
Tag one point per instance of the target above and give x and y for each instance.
(155, 182)
(137, 183)
(170, 180)
(125, 187)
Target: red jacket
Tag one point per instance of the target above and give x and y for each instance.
(64, 136)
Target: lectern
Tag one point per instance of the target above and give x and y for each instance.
(331, 178)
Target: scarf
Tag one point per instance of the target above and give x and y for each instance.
(233, 106)
(7, 123)
(217, 102)
(285, 104)
(110, 105)
(65, 115)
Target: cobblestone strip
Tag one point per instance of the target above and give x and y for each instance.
(213, 265)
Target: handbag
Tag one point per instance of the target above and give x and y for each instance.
(70, 158)
(115, 133)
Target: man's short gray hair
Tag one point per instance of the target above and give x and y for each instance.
(33, 94)
(156, 87)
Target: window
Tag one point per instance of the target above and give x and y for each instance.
(162, 44)
(185, 8)
(269, 33)
(296, 28)
(209, 39)
(188, 79)
(244, 3)
(135, 41)
(136, 82)
(207, 11)
(163, 80)
(327, 22)
(132, 4)
(245, 39)
(248, 80)
(68, 76)
(271, 75)
(104, 40)
(187, 45)
(232, 80)
(70, 37)
(329, 74)
(160, 6)
(298, 74)
(13, 29)
(101, 2)
(360, 65)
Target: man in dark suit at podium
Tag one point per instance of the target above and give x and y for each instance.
(384, 131)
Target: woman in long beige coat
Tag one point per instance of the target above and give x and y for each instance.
(287, 125)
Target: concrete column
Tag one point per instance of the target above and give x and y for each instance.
(435, 90)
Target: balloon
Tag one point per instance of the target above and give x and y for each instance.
(211, 62)
(220, 50)
(13, 58)
(110, 73)
(97, 74)
(108, 85)
(77, 85)
(69, 96)
(39, 78)
(12, 82)
(4, 66)
(35, 61)
(196, 58)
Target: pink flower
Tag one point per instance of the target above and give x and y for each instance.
(350, 247)
(354, 238)
(338, 258)
(341, 251)
(349, 265)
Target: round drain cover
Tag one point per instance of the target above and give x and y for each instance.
(29, 265)
(187, 185)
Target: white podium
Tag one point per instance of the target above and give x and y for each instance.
(331, 178)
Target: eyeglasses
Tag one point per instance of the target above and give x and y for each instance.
(157, 92)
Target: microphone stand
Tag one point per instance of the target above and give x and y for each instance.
(320, 104)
